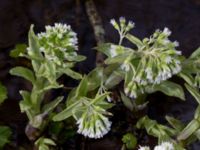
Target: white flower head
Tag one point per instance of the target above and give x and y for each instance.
(113, 22)
(58, 40)
(166, 31)
(131, 24)
(176, 43)
(122, 20)
(165, 146)
(144, 148)
(93, 125)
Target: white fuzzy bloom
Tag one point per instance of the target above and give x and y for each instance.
(176, 43)
(113, 22)
(122, 19)
(166, 31)
(165, 146)
(131, 24)
(144, 148)
(96, 127)
(109, 99)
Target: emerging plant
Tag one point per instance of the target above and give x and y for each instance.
(52, 53)
(145, 68)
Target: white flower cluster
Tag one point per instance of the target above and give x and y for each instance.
(93, 124)
(58, 42)
(163, 146)
(122, 27)
(122, 24)
(158, 60)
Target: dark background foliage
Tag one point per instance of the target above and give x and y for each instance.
(16, 16)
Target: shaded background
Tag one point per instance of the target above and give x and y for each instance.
(16, 16)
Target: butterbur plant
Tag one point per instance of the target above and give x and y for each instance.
(142, 69)
(52, 53)
(89, 112)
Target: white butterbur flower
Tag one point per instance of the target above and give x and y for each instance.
(144, 148)
(166, 31)
(165, 146)
(58, 42)
(161, 60)
(93, 124)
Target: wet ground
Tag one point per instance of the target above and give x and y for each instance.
(181, 16)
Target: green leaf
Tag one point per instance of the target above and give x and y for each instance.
(3, 93)
(195, 54)
(5, 133)
(44, 143)
(26, 103)
(23, 72)
(118, 59)
(176, 124)
(33, 44)
(191, 128)
(194, 92)
(82, 88)
(99, 98)
(163, 133)
(51, 105)
(169, 88)
(197, 134)
(127, 102)
(77, 58)
(19, 49)
(66, 113)
(129, 140)
(113, 79)
(72, 73)
(187, 77)
(94, 78)
(33, 50)
(197, 113)
(49, 141)
(105, 105)
(104, 48)
(134, 40)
